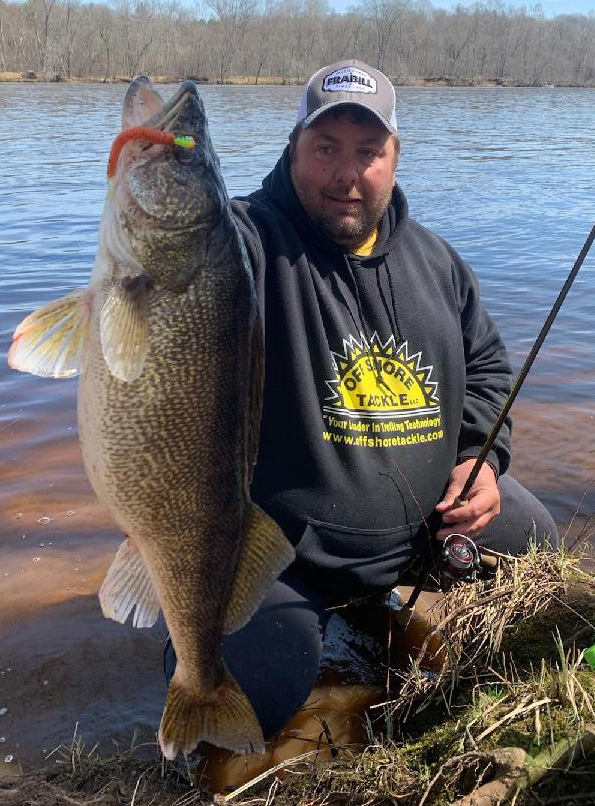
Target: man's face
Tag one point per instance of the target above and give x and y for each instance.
(343, 174)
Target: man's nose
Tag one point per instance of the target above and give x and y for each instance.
(346, 171)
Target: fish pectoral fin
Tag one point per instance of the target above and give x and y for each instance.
(50, 342)
(124, 327)
(229, 721)
(129, 585)
(266, 553)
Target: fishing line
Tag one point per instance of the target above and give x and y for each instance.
(525, 368)
(403, 616)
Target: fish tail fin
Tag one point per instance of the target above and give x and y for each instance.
(227, 720)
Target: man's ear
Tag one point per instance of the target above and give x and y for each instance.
(397, 145)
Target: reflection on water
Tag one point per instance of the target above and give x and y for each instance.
(507, 176)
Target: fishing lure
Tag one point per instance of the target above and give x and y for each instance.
(148, 135)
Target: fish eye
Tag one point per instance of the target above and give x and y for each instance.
(185, 156)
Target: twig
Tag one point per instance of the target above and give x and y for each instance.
(266, 773)
(562, 753)
(576, 613)
(576, 511)
(522, 708)
(448, 763)
(515, 776)
(72, 802)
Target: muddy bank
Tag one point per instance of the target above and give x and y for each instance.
(67, 665)
(493, 723)
(406, 81)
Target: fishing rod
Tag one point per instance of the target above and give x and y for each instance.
(461, 498)
(460, 559)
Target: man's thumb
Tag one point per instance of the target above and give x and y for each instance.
(447, 501)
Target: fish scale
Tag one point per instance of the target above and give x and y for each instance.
(168, 342)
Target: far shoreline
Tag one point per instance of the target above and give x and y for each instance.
(31, 77)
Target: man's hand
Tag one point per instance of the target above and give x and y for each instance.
(483, 502)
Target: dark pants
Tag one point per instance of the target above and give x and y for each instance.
(275, 658)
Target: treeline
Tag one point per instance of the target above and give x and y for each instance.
(287, 40)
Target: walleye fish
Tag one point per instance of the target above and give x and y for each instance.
(168, 343)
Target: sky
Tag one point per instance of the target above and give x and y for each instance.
(550, 7)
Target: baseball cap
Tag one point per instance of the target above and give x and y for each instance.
(349, 82)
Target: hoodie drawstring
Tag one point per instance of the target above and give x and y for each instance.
(393, 297)
(380, 382)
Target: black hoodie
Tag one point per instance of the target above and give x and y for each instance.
(381, 373)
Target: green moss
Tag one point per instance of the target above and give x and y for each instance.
(436, 743)
(532, 639)
(372, 778)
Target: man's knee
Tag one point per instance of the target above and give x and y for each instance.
(523, 520)
(275, 657)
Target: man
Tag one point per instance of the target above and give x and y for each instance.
(384, 376)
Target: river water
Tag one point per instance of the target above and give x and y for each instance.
(506, 175)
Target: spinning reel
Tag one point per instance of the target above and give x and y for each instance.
(459, 561)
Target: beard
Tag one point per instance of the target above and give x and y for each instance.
(350, 229)
(351, 232)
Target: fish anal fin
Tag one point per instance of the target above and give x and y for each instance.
(50, 341)
(228, 720)
(266, 552)
(124, 327)
(128, 585)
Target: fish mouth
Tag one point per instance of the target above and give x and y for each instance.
(183, 114)
(165, 186)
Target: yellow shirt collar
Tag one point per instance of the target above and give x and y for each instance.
(366, 249)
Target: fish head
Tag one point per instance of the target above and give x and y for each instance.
(168, 199)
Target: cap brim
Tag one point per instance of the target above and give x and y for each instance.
(309, 119)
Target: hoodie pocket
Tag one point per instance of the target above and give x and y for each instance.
(355, 562)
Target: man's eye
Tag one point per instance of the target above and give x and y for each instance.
(368, 154)
(325, 150)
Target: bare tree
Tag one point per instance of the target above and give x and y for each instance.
(289, 39)
(233, 16)
(106, 32)
(385, 15)
(2, 51)
(39, 13)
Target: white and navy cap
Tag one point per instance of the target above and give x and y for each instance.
(349, 82)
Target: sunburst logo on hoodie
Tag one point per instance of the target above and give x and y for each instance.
(380, 380)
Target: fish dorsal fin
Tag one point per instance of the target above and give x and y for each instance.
(265, 554)
(127, 585)
(124, 327)
(50, 342)
(141, 102)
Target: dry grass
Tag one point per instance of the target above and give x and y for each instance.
(472, 621)
(268, 80)
(29, 76)
(512, 707)
(77, 776)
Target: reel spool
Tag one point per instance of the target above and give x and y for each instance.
(459, 561)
